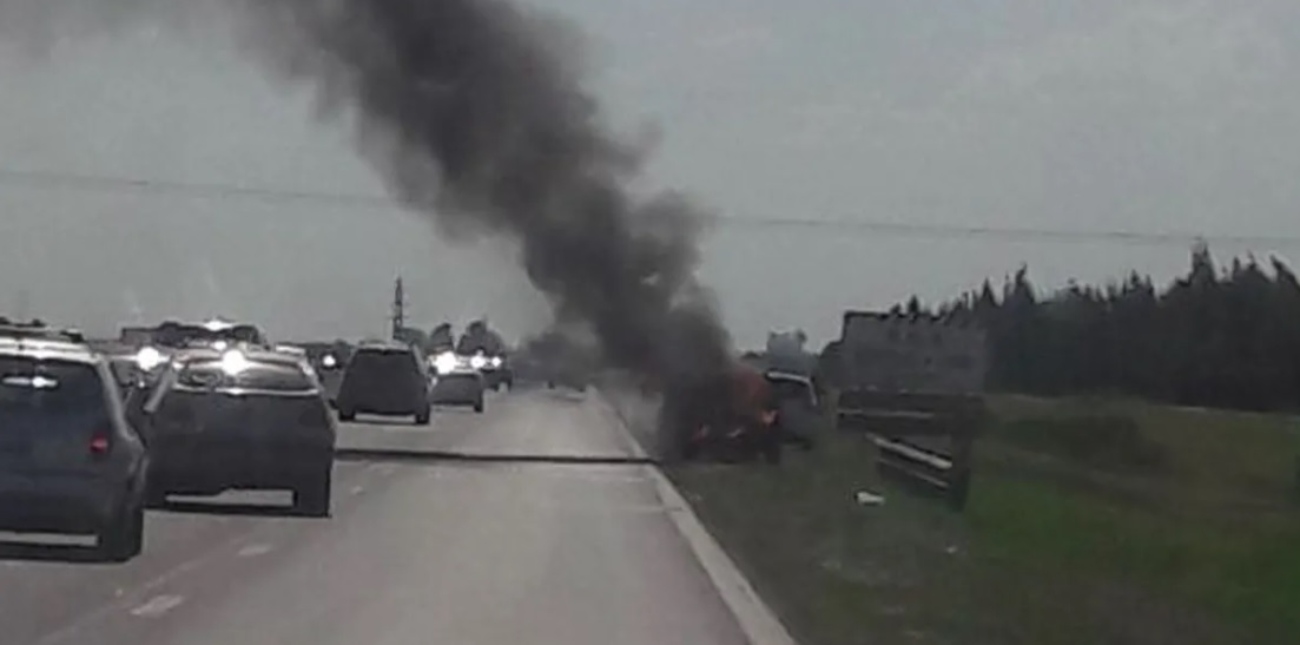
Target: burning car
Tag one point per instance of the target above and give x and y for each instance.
(734, 417)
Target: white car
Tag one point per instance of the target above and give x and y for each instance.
(461, 386)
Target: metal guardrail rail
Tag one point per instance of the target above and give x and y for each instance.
(925, 440)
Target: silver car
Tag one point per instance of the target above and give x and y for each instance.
(238, 420)
(461, 386)
(69, 462)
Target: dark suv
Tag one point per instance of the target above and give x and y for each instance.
(69, 462)
(387, 379)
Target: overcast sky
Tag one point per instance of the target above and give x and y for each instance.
(1080, 115)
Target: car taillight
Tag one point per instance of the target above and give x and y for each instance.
(100, 443)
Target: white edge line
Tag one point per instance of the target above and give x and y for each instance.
(755, 618)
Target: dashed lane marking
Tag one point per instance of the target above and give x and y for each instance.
(254, 550)
(157, 606)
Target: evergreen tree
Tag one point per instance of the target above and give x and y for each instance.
(1229, 339)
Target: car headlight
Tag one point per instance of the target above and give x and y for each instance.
(478, 361)
(149, 358)
(444, 362)
(495, 362)
(329, 361)
(234, 362)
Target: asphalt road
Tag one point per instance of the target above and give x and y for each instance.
(416, 553)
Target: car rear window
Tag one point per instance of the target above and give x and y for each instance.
(266, 377)
(56, 387)
(367, 363)
(787, 389)
(456, 377)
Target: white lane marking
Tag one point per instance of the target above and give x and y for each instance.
(356, 490)
(65, 633)
(157, 606)
(254, 550)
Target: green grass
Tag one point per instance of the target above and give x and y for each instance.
(1203, 549)
(1208, 454)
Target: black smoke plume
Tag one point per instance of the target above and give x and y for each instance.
(475, 113)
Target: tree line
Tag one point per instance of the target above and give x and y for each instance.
(1216, 337)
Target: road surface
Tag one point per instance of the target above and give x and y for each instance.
(416, 553)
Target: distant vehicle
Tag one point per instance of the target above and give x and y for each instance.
(496, 373)
(385, 378)
(496, 370)
(798, 407)
(463, 386)
(326, 356)
(441, 339)
(238, 419)
(69, 461)
(565, 373)
(179, 335)
(37, 329)
(172, 336)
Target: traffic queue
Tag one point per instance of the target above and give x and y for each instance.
(92, 437)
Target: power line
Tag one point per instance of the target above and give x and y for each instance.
(61, 180)
(959, 231)
(73, 181)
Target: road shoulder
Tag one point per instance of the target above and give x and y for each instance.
(758, 622)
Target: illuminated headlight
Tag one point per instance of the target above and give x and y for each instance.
(478, 361)
(495, 362)
(149, 358)
(444, 362)
(220, 345)
(329, 361)
(234, 362)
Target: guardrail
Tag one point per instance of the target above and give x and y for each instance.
(925, 440)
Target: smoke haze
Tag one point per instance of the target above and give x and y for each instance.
(474, 114)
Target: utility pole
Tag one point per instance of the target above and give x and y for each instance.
(399, 310)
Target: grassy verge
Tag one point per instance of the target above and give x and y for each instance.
(1194, 541)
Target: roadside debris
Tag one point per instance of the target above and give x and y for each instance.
(868, 498)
